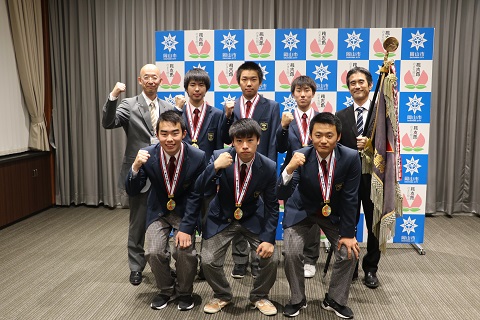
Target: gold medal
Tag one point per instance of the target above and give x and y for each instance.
(326, 210)
(171, 204)
(238, 214)
(194, 143)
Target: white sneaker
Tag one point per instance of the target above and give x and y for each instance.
(309, 270)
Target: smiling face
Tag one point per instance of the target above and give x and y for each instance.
(150, 79)
(359, 87)
(170, 136)
(324, 138)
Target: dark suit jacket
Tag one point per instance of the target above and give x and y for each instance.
(186, 198)
(349, 139)
(260, 206)
(210, 136)
(289, 140)
(133, 114)
(349, 127)
(305, 196)
(267, 114)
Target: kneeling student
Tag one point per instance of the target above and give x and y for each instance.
(321, 183)
(173, 204)
(245, 204)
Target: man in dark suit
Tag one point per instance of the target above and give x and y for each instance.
(136, 115)
(321, 184)
(292, 134)
(353, 118)
(245, 205)
(173, 204)
(267, 113)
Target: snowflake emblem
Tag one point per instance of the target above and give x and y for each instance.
(353, 40)
(415, 104)
(200, 67)
(348, 102)
(321, 72)
(228, 98)
(169, 43)
(409, 225)
(290, 41)
(412, 166)
(417, 40)
(229, 42)
(170, 99)
(264, 71)
(289, 104)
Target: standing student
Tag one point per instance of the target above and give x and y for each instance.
(359, 81)
(267, 113)
(173, 204)
(204, 122)
(137, 115)
(244, 205)
(292, 134)
(321, 184)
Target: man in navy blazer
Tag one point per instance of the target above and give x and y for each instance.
(267, 113)
(245, 204)
(292, 134)
(321, 184)
(205, 132)
(172, 167)
(134, 115)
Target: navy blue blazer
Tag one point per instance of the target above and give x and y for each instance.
(289, 140)
(267, 114)
(210, 136)
(260, 206)
(305, 196)
(187, 199)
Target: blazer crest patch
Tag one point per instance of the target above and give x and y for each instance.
(210, 136)
(264, 126)
(256, 194)
(339, 186)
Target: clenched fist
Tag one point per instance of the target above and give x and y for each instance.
(119, 88)
(297, 160)
(229, 108)
(223, 161)
(287, 118)
(142, 157)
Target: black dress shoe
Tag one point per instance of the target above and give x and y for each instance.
(135, 277)
(371, 280)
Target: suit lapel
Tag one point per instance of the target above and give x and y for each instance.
(206, 122)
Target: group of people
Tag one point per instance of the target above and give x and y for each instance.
(181, 179)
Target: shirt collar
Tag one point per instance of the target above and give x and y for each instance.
(366, 105)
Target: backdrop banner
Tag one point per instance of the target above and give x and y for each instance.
(326, 55)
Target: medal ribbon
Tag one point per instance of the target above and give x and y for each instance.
(240, 191)
(171, 186)
(195, 133)
(326, 188)
(243, 107)
(305, 139)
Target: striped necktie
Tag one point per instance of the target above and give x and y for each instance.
(153, 115)
(360, 120)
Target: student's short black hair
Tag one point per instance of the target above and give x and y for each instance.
(303, 81)
(367, 74)
(250, 65)
(245, 128)
(172, 117)
(196, 74)
(328, 118)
